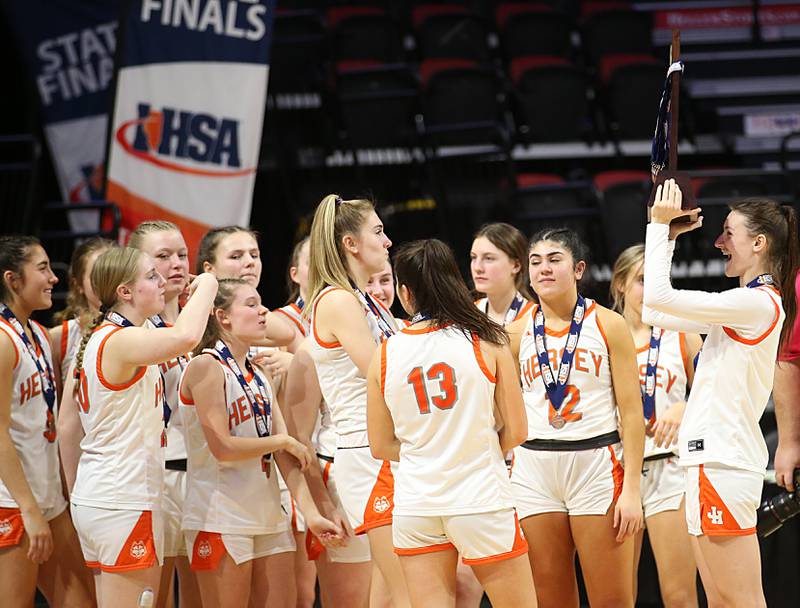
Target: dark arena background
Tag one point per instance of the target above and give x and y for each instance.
(452, 114)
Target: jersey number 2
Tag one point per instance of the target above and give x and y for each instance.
(448, 391)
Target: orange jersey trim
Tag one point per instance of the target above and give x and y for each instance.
(319, 340)
(64, 338)
(618, 472)
(710, 499)
(524, 310)
(422, 330)
(139, 550)
(3, 322)
(293, 320)
(599, 327)
(424, 550)
(115, 387)
(380, 504)
(752, 342)
(476, 348)
(563, 332)
(383, 367)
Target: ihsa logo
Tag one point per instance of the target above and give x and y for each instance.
(167, 137)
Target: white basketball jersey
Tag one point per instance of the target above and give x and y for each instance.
(671, 379)
(511, 314)
(721, 419)
(233, 497)
(122, 459)
(295, 314)
(441, 398)
(70, 343)
(341, 383)
(325, 433)
(589, 407)
(37, 453)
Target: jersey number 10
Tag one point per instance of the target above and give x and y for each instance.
(448, 391)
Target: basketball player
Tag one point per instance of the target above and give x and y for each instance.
(116, 501)
(720, 441)
(38, 544)
(578, 371)
(433, 389)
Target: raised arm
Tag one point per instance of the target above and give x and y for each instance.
(137, 346)
(749, 311)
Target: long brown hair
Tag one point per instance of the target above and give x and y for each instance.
(77, 304)
(778, 223)
(428, 269)
(513, 243)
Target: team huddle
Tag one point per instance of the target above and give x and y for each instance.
(171, 429)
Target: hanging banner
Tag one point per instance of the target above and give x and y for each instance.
(68, 48)
(188, 112)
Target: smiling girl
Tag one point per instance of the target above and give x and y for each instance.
(578, 372)
(38, 545)
(720, 441)
(116, 501)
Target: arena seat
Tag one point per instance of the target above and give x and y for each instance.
(449, 31)
(528, 28)
(364, 32)
(544, 83)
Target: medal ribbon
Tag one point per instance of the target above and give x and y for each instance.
(556, 387)
(649, 388)
(261, 417)
(516, 305)
(386, 327)
(41, 362)
(182, 362)
(762, 279)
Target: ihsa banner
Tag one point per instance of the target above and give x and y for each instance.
(189, 108)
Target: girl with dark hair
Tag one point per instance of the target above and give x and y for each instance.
(242, 549)
(579, 376)
(498, 259)
(449, 380)
(666, 371)
(38, 545)
(720, 441)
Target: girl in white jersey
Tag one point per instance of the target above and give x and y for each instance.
(437, 393)
(38, 545)
(498, 259)
(117, 498)
(720, 441)
(663, 485)
(241, 542)
(347, 246)
(163, 241)
(578, 371)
